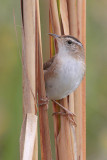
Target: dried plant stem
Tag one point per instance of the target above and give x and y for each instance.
(80, 97)
(43, 113)
(72, 12)
(29, 126)
(84, 81)
(54, 17)
(28, 56)
(64, 16)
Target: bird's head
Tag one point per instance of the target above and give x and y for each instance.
(69, 45)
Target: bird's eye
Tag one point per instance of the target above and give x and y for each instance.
(69, 42)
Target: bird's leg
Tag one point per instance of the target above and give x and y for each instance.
(66, 110)
(67, 113)
(71, 119)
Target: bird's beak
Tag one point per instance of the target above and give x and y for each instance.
(57, 37)
(54, 35)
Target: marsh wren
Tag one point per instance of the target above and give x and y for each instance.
(64, 72)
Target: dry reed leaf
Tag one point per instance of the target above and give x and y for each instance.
(29, 132)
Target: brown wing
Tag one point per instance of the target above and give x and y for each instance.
(48, 63)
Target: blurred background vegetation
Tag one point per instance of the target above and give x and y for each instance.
(11, 77)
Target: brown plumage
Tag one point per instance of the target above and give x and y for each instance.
(48, 63)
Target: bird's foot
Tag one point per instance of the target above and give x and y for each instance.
(43, 101)
(69, 116)
(67, 113)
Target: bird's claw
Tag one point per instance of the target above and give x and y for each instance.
(43, 101)
(69, 116)
(67, 113)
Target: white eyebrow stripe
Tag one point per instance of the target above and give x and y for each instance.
(79, 43)
(74, 40)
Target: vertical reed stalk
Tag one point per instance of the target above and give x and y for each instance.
(43, 112)
(28, 55)
(80, 96)
(84, 81)
(28, 137)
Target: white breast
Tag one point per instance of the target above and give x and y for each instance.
(69, 77)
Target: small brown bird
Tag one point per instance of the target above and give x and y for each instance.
(64, 72)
